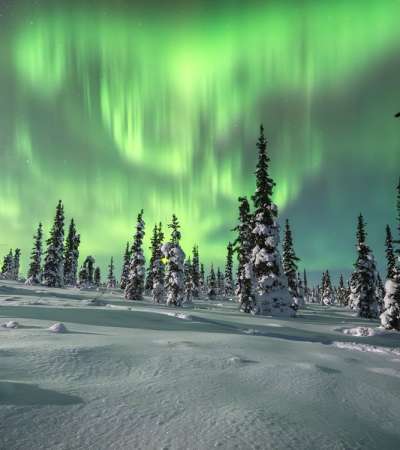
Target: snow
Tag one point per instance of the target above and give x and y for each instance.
(360, 331)
(58, 328)
(10, 324)
(200, 377)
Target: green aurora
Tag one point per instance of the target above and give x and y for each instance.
(140, 104)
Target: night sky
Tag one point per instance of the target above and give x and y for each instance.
(115, 106)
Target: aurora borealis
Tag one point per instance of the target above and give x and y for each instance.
(115, 106)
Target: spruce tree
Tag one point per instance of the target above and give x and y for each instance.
(220, 282)
(380, 293)
(111, 283)
(153, 250)
(158, 269)
(202, 278)
(53, 271)
(89, 265)
(189, 285)
(97, 277)
(175, 258)
(83, 276)
(8, 266)
(16, 264)
(390, 256)
(125, 267)
(342, 294)
(35, 266)
(305, 284)
(289, 260)
(135, 286)
(326, 289)
(212, 284)
(243, 247)
(195, 271)
(272, 295)
(71, 255)
(228, 282)
(363, 291)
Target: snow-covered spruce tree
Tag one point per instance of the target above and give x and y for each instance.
(158, 269)
(89, 264)
(83, 277)
(111, 283)
(305, 284)
(8, 266)
(289, 262)
(97, 276)
(135, 286)
(390, 256)
(228, 278)
(380, 293)
(390, 318)
(150, 269)
(327, 297)
(71, 255)
(189, 285)
(35, 266)
(342, 294)
(243, 247)
(53, 270)
(272, 296)
(212, 284)
(174, 280)
(195, 268)
(363, 290)
(16, 264)
(125, 267)
(202, 279)
(220, 282)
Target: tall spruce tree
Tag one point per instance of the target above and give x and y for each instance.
(153, 250)
(195, 271)
(53, 271)
(380, 293)
(243, 247)
(272, 296)
(158, 269)
(111, 282)
(228, 279)
(290, 259)
(125, 267)
(135, 286)
(35, 266)
(175, 257)
(71, 255)
(363, 291)
(390, 317)
(390, 256)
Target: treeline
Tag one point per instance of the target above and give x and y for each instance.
(266, 283)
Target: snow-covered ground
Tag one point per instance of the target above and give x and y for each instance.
(132, 375)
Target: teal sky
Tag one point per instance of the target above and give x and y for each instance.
(139, 104)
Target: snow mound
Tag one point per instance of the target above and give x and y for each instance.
(58, 328)
(10, 324)
(360, 331)
(181, 316)
(253, 332)
(385, 371)
(367, 348)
